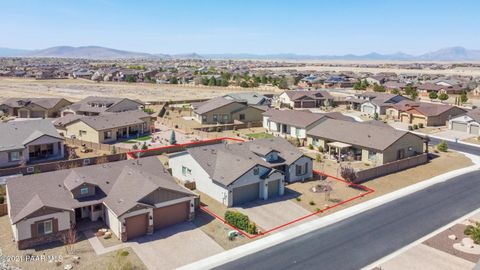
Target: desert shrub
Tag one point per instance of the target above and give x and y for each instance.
(415, 126)
(298, 199)
(410, 128)
(318, 158)
(311, 202)
(320, 149)
(310, 147)
(251, 228)
(237, 219)
(474, 232)
(420, 125)
(349, 174)
(442, 146)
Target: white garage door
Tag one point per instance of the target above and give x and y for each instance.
(475, 130)
(368, 109)
(459, 126)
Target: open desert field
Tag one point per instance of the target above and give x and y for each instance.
(463, 71)
(76, 89)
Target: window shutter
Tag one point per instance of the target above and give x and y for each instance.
(55, 225)
(33, 229)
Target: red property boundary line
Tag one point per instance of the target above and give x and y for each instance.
(205, 209)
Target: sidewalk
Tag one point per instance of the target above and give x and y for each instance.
(305, 228)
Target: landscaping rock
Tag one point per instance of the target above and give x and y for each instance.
(68, 267)
(452, 237)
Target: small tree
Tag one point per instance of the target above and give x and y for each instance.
(144, 146)
(442, 146)
(443, 96)
(433, 95)
(463, 97)
(69, 239)
(348, 173)
(173, 139)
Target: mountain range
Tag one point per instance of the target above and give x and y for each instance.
(97, 52)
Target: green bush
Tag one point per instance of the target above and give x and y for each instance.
(240, 221)
(410, 128)
(474, 232)
(310, 147)
(320, 149)
(415, 126)
(298, 199)
(311, 203)
(442, 146)
(318, 158)
(420, 125)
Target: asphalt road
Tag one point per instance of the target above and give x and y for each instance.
(458, 147)
(362, 239)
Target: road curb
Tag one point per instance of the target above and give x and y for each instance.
(282, 236)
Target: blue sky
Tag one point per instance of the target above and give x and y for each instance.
(243, 26)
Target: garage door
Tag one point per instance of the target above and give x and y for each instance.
(170, 215)
(404, 118)
(37, 114)
(368, 109)
(417, 120)
(474, 130)
(459, 126)
(273, 189)
(23, 114)
(308, 104)
(136, 226)
(245, 194)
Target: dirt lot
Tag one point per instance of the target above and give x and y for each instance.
(88, 258)
(215, 228)
(475, 140)
(74, 90)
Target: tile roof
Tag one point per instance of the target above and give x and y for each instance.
(106, 120)
(314, 94)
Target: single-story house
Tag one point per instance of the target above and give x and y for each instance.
(105, 128)
(372, 102)
(426, 88)
(428, 114)
(295, 124)
(469, 122)
(98, 105)
(29, 141)
(238, 173)
(34, 107)
(251, 98)
(363, 141)
(132, 198)
(226, 110)
(305, 99)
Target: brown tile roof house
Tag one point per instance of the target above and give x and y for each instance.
(105, 128)
(226, 110)
(98, 105)
(43, 206)
(365, 141)
(242, 172)
(34, 107)
(426, 88)
(305, 99)
(428, 114)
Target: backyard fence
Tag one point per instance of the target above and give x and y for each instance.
(96, 146)
(62, 164)
(3, 209)
(395, 166)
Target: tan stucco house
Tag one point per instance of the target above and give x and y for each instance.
(34, 107)
(223, 110)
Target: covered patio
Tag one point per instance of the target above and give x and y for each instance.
(343, 152)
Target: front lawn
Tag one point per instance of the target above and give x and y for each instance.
(139, 139)
(262, 135)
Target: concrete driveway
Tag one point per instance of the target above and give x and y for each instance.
(275, 212)
(453, 134)
(175, 246)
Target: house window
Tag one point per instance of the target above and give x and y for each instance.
(186, 171)
(14, 156)
(82, 132)
(256, 171)
(215, 118)
(241, 116)
(301, 169)
(107, 134)
(45, 227)
(84, 191)
(225, 117)
(204, 118)
(297, 132)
